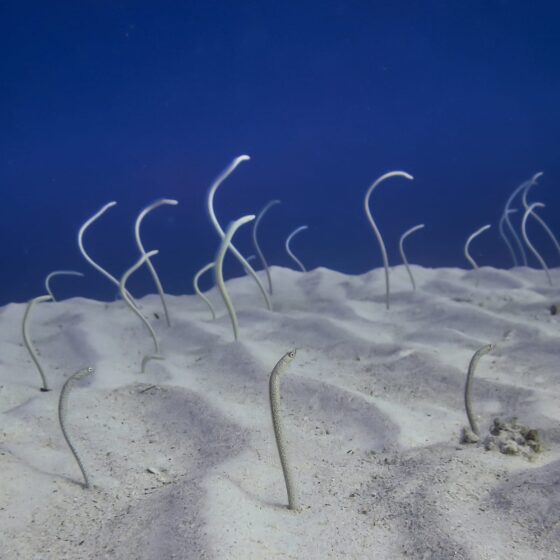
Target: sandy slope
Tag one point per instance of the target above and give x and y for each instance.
(373, 407)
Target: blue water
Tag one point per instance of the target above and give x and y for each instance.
(133, 101)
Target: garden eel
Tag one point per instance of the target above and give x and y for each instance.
(529, 244)
(274, 393)
(539, 219)
(204, 269)
(520, 188)
(153, 272)
(403, 255)
(472, 365)
(375, 228)
(210, 202)
(62, 412)
(124, 293)
(256, 243)
(504, 237)
(100, 269)
(225, 245)
(58, 273)
(287, 245)
(27, 339)
(468, 242)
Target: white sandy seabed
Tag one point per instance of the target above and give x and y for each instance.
(183, 460)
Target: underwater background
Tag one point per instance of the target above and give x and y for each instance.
(135, 101)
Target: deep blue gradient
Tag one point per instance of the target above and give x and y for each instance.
(133, 101)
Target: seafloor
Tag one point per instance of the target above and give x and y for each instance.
(182, 458)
